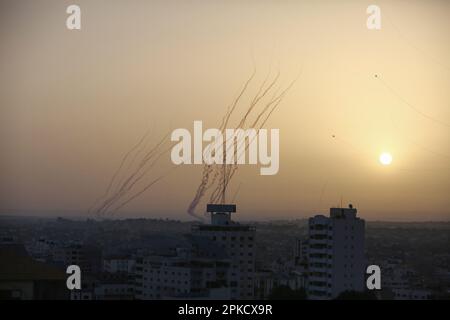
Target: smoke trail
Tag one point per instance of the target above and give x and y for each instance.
(211, 173)
(205, 183)
(408, 41)
(227, 174)
(117, 194)
(137, 194)
(116, 173)
(236, 193)
(127, 184)
(275, 101)
(236, 101)
(411, 106)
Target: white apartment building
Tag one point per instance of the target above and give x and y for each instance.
(181, 276)
(114, 286)
(336, 260)
(117, 263)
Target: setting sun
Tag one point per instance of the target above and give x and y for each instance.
(385, 158)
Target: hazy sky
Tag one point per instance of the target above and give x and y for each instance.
(73, 102)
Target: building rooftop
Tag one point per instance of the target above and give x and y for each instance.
(16, 264)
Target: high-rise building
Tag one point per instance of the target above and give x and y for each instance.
(336, 261)
(218, 263)
(237, 241)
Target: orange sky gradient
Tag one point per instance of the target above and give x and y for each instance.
(73, 102)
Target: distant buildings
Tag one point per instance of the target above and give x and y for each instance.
(301, 252)
(336, 261)
(401, 282)
(411, 294)
(162, 259)
(114, 286)
(116, 280)
(181, 276)
(119, 263)
(106, 286)
(87, 257)
(268, 280)
(42, 249)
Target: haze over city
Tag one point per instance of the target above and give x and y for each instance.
(366, 121)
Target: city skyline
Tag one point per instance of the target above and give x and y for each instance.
(328, 257)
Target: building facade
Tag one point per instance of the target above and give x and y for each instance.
(237, 241)
(336, 260)
(181, 276)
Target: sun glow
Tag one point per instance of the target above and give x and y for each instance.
(385, 158)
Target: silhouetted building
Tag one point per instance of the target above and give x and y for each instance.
(300, 252)
(88, 258)
(22, 278)
(336, 261)
(238, 242)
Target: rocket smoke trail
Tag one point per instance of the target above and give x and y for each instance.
(257, 111)
(271, 105)
(124, 159)
(205, 183)
(121, 191)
